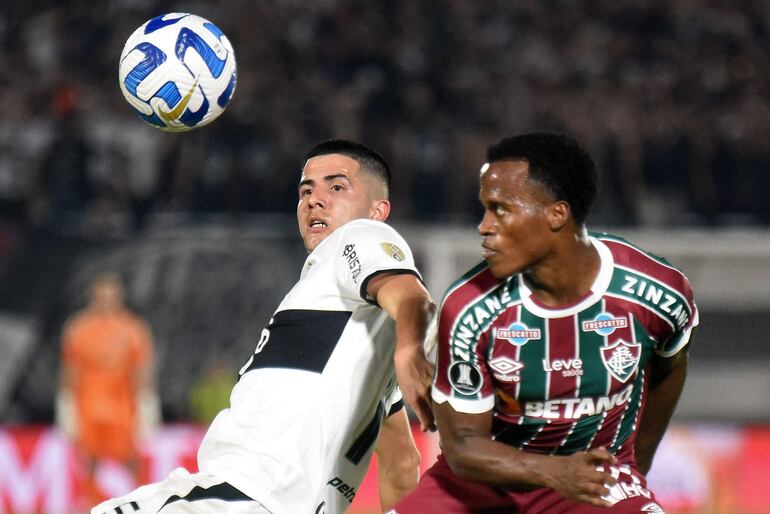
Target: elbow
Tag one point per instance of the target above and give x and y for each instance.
(410, 469)
(404, 473)
(414, 460)
(430, 306)
(459, 461)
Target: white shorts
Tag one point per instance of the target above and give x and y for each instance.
(183, 493)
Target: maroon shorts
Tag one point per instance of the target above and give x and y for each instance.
(440, 490)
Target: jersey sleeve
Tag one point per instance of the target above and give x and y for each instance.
(462, 377)
(395, 402)
(685, 318)
(366, 249)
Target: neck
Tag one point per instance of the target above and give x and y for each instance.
(106, 309)
(567, 274)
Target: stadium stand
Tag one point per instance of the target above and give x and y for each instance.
(672, 99)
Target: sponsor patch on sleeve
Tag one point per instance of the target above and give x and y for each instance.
(465, 378)
(393, 251)
(353, 262)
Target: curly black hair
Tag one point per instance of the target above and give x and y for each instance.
(558, 162)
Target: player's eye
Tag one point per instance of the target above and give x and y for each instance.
(305, 192)
(496, 209)
(337, 187)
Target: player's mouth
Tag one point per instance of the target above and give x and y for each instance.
(488, 251)
(317, 225)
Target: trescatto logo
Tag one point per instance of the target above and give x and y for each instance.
(604, 324)
(517, 334)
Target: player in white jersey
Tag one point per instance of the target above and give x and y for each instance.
(307, 411)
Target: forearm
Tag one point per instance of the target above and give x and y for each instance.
(486, 461)
(407, 301)
(394, 486)
(413, 316)
(398, 461)
(65, 409)
(661, 402)
(473, 455)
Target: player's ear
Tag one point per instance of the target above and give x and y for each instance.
(559, 215)
(380, 210)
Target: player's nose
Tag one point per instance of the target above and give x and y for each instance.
(486, 226)
(316, 200)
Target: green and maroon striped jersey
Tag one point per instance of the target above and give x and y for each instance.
(563, 379)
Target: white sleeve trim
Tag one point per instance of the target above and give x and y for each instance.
(465, 406)
(683, 339)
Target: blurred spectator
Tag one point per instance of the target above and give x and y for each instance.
(61, 189)
(211, 392)
(106, 401)
(672, 97)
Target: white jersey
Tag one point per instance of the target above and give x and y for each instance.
(305, 415)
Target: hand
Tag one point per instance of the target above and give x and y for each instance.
(65, 414)
(580, 476)
(415, 377)
(148, 413)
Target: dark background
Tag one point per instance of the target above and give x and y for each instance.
(672, 98)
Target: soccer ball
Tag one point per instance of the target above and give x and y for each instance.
(177, 72)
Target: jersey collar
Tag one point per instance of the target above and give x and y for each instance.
(598, 288)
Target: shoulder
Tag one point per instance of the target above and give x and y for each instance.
(368, 229)
(75, 335)
(135, 321)
(471, 279)
(76, 322)
(630, 257)
(651, 282)
(469, 288)
(375, 237)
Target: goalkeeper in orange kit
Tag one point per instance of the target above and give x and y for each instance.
(106, 396)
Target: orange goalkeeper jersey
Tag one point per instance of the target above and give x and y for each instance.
(104, 352)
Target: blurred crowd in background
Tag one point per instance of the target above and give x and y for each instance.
(671, 97)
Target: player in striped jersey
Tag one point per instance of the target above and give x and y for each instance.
(560, 358)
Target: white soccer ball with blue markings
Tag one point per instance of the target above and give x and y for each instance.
(178, 72)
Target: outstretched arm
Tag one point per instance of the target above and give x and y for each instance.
(65, 416)
(65, 410)
(398, 461)
(473, 455)
(147, 401)
(407, 301)
(667, 376)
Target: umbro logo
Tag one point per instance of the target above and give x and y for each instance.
(504, 369)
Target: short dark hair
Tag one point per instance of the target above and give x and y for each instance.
(557, 161)
(369, 160)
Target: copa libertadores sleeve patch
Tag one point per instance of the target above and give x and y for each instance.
(393, 251)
